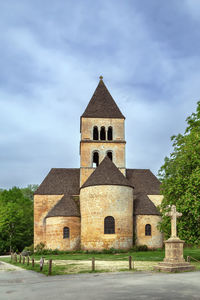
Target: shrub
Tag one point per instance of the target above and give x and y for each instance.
(29, 250)
(139, 248)
(39, 248)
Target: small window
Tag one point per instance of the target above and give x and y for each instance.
(110, 133)
(95, 133)
(66, 233)
(147, 229)
(109, 153)
(109, 225)
(102, 134)
(95, 160)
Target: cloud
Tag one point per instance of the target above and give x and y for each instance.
(51, 58)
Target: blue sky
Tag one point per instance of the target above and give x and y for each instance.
(51, 56)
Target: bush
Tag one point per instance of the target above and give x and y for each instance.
(39, 248)
(139, 248)
(29, 250)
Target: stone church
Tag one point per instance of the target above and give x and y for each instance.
(102, 204)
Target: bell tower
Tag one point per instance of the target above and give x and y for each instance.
(102, 133)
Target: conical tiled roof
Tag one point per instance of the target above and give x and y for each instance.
(106, 174)
(102, 105)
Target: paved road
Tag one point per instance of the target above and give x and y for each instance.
(22, 284)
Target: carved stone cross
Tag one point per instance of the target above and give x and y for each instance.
(173, 214)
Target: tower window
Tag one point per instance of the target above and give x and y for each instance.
(109, 153)
(102, 134)
(95, 161)
(147, 229)
(66, 233)
(109, 225)
(95, 133)
(110, 133)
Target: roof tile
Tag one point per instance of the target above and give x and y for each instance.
(102, 105)
(106, 174)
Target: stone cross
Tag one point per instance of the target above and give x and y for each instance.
(173, 214)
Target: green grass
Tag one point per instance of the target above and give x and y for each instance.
(156, 255)
(56, 270)
(144, 256)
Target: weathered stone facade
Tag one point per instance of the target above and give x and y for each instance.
(81, 199)
(88, 145)
(155, 240)
(54, 233)
(98, 202)
(42, 204)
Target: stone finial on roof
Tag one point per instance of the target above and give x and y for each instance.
(101, 77)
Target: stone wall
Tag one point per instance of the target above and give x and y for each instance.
(87, 125)
(54, 233)
(88, 146)
(156, 238)
(42, 205)
(117, 149)
(98, 202)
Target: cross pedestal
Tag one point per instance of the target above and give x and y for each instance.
(174, 260)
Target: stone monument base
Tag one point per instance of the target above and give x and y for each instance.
(174, 260)
(174, 267)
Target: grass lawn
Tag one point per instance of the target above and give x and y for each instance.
(144, 256)
(81, 262)
(156, 255)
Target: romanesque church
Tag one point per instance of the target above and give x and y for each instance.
(102, 204)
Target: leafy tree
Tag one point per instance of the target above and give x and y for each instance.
(180, 176)
(28, 192)
(16, 220)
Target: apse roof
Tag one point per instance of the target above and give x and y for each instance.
(67, 182)
(106, 174)
(66, 207)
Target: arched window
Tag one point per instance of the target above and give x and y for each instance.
(147, 229)
(110, 133)
(95, 133)
(109, 225)
(66, 233)
(109, 153)
(95, 159)
(102, 134)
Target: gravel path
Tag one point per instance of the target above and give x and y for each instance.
(4, 267)
(112, 266)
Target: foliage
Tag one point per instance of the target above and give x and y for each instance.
(140, 248)
(29, 249)
(28, 192)
(16, 220)
(41, 250)
(180, 176)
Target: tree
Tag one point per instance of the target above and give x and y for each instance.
(180, 177)
(16, 220)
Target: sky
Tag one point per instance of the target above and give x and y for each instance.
(51, 56)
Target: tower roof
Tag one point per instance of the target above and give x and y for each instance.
(106, 174)
(102, 104)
